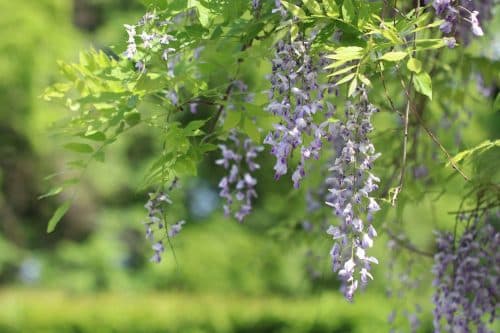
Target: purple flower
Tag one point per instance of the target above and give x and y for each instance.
(238, 184)
(466, 277)
(295, 97)
(158, 249)
(175, 228)
(193, 108)
(441, 6)
(458, 15)
(155, 226)
(349, 195)
(446, 27)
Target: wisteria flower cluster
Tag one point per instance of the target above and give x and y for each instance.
(239, 184)
(351, 184)
(157, 229)
(295, 97)
(466, 278)
(149, 35)
(456, 14)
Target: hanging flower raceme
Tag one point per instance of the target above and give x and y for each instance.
(149, 36)
(238, 158)
(295, 97)
(157, 229)
(351, 183)
(466, 278)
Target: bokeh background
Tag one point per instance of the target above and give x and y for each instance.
(93, 273)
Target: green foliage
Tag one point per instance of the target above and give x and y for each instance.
(179, 312)
(423, 90)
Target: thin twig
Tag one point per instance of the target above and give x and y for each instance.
(221, 106)
(431, 135)
(399, 188)
(405, 243)
(386, 93)
(402, 172)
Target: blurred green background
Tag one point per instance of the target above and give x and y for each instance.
(93, 273)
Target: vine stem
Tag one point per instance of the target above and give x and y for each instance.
(441, 147)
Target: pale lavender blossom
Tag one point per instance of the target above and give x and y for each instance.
(296, 96)
(153, 35)
(351, 183)
(238, 186)
(158, 249)
(176, 228)
(157, 217)
(193, 108)
(255, 4)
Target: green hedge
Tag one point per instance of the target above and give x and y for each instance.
(56, 312)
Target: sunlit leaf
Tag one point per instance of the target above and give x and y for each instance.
(58, 215)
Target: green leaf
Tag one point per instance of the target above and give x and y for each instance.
(364, 79)
(207, 147)
(349, 11)
(346, 79)
(394, 56)
(251, 130)
(186, 166)
(331, 8)
(345, 57)
(79, 147)
(480, 148)
(337, 64)
(425, 44)
(295, 10)
(203, 12)
(294, 32)
(233, 119)
(343, 70)
(352, 87)
(428, 26)
(414, 65)
(58, 214)
(132, 118)
(51, 192)
(313, 7)
(423, 84)
(346, 53)
(94, 135)
(193, 128)
(348, 49)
